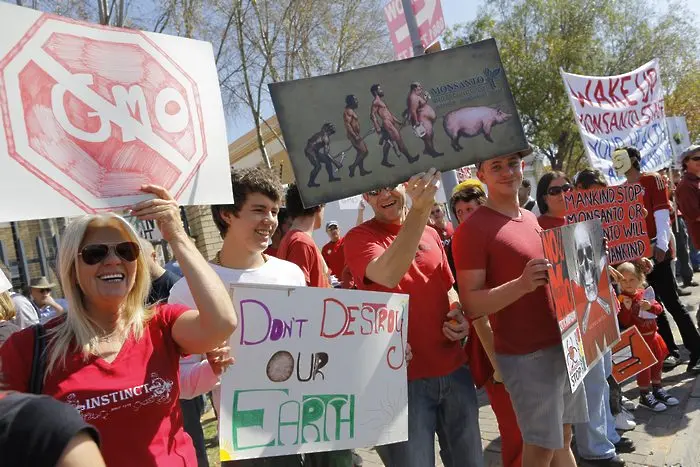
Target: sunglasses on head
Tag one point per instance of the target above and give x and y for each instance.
(379, 191)
(93, 254)
(557, 190)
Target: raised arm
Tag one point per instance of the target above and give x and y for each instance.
(389, 268)
(214, 320)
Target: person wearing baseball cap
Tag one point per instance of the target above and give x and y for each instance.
(688, 191)
(333, 251)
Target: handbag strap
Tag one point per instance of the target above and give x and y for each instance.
(36, 380)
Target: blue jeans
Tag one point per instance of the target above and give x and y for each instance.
(445, 405)
(596, 439)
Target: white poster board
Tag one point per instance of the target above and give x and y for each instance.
(680, 138)
(623, 110)
(90, 113)
(316, 370)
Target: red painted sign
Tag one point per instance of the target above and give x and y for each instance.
(431, 24)
(631, 355)
(100, 110)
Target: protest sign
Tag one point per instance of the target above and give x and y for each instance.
(631, 355)
(374, 127)
(621, 212)
(316, 370)
(621, 110)
(581, 294)
(82, 133)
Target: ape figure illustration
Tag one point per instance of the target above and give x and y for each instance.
(318, 151)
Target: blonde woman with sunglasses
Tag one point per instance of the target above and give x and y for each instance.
(112, 358)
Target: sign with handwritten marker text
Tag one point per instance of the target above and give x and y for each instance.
(316, 370)
(621, 212)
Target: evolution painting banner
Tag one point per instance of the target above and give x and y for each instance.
(316, 370)
(582, 294)
(623, 110)
(352, 132)
(622, 214)
(91, 113)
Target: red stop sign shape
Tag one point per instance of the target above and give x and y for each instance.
(96, 112)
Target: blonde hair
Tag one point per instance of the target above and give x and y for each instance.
(7, 307)
(78, 329)
(632, 268)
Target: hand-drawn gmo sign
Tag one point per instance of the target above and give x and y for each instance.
(96, 112)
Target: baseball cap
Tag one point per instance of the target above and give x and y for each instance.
(330, 224)
(522, 154)
(689, 150)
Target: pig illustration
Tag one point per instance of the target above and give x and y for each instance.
(470, 121)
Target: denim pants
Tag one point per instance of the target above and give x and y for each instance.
(445, 405)
(596, 439)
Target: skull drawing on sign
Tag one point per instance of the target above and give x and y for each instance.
(588, 273)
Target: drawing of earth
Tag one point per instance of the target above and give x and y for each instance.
(280, 366)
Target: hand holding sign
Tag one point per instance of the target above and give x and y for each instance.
(163, 209)
(421, 189)
(219, 359)
(534, 275)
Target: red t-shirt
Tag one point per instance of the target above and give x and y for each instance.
(688, 198)
(300, 249)
(502, 246)
(445, 233)
(550, 222)
(629, 315)
(334, 254)
(655, 198)
(271, 251)
(133, 401)
(427, 282)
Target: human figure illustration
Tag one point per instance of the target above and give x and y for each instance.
(387, 125)
(318, 151)
(422, 117)
(352, 130)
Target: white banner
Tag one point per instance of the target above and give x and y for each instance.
(622, 110)
(316, 370)
(88, 114)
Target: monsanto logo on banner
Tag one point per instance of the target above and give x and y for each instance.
(431, 25)
(100, 108)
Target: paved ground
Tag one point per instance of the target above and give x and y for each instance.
(668, 439)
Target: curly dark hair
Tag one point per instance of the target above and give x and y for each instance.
(543, 186)
(244, 182)
(588, 178)
(473, 193)
(295, 208)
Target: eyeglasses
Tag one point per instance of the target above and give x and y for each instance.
(45, 290)
(557, 190)
(379, 191)
(93, 254)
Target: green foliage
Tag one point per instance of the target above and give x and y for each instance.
(591, 37)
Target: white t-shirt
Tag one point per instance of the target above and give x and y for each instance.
(199, 379)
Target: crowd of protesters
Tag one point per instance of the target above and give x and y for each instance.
(135, 347)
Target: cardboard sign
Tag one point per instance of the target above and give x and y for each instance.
(623, 110)
(90, 113)
(621, 212)
(431, 24)
(375, 127)
(316, 370)
(631, 355)
(582, 294)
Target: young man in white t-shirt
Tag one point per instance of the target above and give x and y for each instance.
(246, 227)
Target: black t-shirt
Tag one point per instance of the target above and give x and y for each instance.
(7, 328)
(160, 288)
(34, 430)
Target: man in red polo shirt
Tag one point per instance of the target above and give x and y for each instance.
(397, 252)
(333, 251)
(502, 273)
(688, 191)
(628, 162)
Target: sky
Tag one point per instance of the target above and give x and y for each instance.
(454, 12)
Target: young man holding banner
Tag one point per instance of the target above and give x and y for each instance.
(502, 272)
(627, 162)
(246, 227)
(397, 252)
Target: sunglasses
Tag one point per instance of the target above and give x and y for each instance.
(93, 254)
(379, 191)
(557, 190)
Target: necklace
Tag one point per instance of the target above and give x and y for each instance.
(217, 259)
